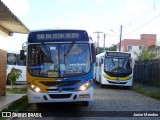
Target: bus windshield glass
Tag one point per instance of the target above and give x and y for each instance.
(58, 60)
(117, 65)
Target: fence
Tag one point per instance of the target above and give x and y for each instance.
(147, 71)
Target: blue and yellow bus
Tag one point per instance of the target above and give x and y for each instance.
(60, 66)
(114, 68)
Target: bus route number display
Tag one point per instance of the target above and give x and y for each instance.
(58, 36)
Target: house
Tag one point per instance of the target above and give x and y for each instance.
(130, 45)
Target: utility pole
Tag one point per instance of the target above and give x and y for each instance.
(104, 42)
(120, 38)
(98, 40)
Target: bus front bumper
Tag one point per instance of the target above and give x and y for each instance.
(49, 97)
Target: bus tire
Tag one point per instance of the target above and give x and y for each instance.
(84, 103)
(127, 87)
(96, 82)
(102, 86)
(40, 105)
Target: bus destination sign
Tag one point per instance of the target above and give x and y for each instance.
(49, 36)
(57, 36)
(118, 54)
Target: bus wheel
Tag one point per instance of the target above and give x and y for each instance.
(96, 82)
(102, 86)
(40, 105)
(85, 103)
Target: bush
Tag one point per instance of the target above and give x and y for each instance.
(14, 75)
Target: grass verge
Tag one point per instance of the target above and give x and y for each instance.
(148, 92)
(19, 105)
(16, 90)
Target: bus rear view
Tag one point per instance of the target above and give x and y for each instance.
(60, 66)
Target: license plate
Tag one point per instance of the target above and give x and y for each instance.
(117, 81)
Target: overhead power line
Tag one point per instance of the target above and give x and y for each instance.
(143, 25)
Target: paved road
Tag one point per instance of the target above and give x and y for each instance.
(108, 101)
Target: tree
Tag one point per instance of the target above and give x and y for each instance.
(146, 54)
(111, 48)
(14, 75)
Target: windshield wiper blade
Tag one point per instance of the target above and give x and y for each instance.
(48, 53)
(69, 48)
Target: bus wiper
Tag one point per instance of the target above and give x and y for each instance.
(48, 53)
(69, 48)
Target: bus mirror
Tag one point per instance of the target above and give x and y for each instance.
(22, 55)
(93, 52)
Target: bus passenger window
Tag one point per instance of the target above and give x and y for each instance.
(11, 59)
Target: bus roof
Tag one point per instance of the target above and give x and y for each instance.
(60, 35)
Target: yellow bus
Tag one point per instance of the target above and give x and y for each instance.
(59, 66)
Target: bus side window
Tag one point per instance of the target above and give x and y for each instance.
(21, 62)
(129, 63)
(93, 52)
(11, 59)
(101, 60)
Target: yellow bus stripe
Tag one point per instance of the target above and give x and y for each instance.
(119, 78)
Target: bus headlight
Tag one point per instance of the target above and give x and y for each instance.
(35, 88)
(85, 86)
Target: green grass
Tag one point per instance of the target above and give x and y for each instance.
(20, 105)
(148, 82)
(150, 93)
(16, 90)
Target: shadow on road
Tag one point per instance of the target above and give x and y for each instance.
(111, 87)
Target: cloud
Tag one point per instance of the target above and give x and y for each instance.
(18, 7)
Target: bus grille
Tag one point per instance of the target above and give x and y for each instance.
(59, 96)
(63, 89)
(59, 83)
(117, 82)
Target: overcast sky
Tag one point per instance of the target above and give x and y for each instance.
(136, 16)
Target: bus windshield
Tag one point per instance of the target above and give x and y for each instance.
(58, 60)
(117, 65)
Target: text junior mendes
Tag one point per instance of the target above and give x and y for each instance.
(145, 114)
(14, 114)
